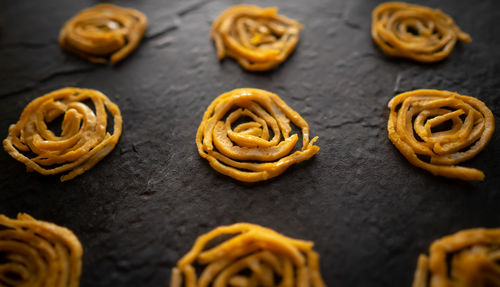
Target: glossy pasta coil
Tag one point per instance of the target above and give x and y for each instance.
(36, 253)
(250, 256)
(258, 38)
(415, 114)
(415, 32)
(245, 151)
(469, 258)
(103, 33)
(83, 141)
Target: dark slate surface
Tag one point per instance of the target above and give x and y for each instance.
(138, 211)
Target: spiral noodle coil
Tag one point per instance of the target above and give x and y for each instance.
(246, 152)
(103, 32)
(419, 111)
(469, 258)
(253, 256)
(38, 254)
(415, 32)
(83, 141)
(258, 38)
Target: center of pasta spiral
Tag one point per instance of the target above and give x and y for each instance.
(252, 256)
(247, 152)
(38, 253)
(258, 38)
(83, 141)
(415, 114)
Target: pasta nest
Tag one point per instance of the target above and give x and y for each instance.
(415, 32)
(103, 32)
(37, 253)
(419, 111)
(252, 256)
(469, 258)
(247, 153)
(83, 141)
(258, 38)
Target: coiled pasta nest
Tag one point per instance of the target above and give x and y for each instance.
(83, 141)
(415, 114)
(247, 152)
(415, 32)
(258, 38)
(103, 33)
(252, 256)
(469, 258)
(38, 253)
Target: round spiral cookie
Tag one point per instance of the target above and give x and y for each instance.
(419, 111)
(258, 38)
(38, 253)
(469, 258)
(252, 256)
(415, 32)
(246, 153)
(83, 141)
(103, 33)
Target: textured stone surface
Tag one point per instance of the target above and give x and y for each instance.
(139, 210)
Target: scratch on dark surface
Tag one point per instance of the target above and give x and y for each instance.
(134, 147)
(67, 73)
(170, 27)
(27, 45)
(161, 32)
(370, 125)
(398, 81)
(341, 124)
(46, 79)
(163, 42)
(19, 91)
(352, 25)
(191, 7)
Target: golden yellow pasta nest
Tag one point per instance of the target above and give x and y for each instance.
(38, 253)
(252, 256)
(469, 258)
(416, 32)
(258, 38)
(420, 111)
(83, 141)
(103, 32)
(246, 152)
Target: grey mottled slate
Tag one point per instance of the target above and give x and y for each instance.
(138, 211)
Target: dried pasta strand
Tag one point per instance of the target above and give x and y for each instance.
(246, 153)
(468, 258)
(415, 32)
(83, 141)
(38, 253)
(258, 38)
(103, 33)
(264, 253)
(420, 110)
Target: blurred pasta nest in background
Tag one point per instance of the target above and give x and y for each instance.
(415, 32)
(38, 253)
(246, 255)
(469, 258)
(103, 33)
(258, 38)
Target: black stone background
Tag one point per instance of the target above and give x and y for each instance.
(369, 212)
